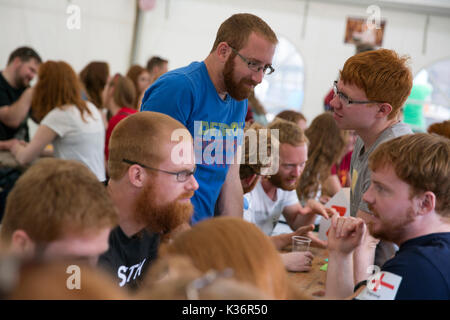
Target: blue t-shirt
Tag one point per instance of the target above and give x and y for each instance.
(188, 95)
(424, 265)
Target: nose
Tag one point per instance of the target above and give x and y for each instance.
(335, 103)
(297, 171)
(368, 196)
(193, 184)
(258, 76)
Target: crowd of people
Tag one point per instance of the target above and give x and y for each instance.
(157, 187)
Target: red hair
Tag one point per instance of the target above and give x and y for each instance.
(382, 74)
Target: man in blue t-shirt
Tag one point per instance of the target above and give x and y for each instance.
(409, 199)
(210, 99)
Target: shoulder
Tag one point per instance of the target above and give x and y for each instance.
(185, 77)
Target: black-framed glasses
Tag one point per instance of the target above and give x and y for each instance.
(182, 176)
(254, 66)
(346, 100)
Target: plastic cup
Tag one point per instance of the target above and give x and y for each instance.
(300, 243)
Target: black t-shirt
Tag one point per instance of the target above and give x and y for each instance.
(128, 258)
(9, 95)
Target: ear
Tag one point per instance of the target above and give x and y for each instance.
(21, 243)
(426, 203)
(384, 110)
(223, 51)
(137, 175)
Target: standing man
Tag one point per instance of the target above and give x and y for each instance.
(150, 188)
(210, 99)
(372, 89)
(15, 102)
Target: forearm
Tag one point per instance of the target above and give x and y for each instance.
(13, 115)
(339, 283)
(231, 198)
(331, 186)
(363, 258)
(24, 155)
(301, 220)
(282, 240)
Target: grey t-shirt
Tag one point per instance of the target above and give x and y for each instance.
(360, 181)
(359, 166)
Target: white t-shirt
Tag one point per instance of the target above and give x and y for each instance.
(77, 139)
(264, 212)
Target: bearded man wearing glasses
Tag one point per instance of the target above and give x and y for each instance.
(210, 99)
(151, 188)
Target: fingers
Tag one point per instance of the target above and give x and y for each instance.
(347, 226)
(304, 230)
(297, 261)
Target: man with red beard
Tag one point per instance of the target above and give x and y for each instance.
(409, 198)
(151, 187)
(276, 195)
(210, 99)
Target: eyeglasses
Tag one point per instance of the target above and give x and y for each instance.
(254, 66)
(346, 100)
(182, 176)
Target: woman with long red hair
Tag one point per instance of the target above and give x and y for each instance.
(72, 125)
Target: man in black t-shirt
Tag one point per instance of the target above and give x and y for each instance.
(15, 102)
(15, 94)
(151, 183)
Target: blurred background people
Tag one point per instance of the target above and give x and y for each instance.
(141, 80)
(119, 99)
(157, 66)
(73, 126)
(94, 77)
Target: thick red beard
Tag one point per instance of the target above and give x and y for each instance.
(161, 218)
(237, 91)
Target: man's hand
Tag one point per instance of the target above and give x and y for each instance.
(313, 206)
(297, 261)
(368, 240)
(345, 234)
(306, 232)
(8, 144)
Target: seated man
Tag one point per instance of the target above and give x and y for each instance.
(252, 167)
(409, 199)
(275, 195)
(151, 187)
(58, 208)
(15, 103)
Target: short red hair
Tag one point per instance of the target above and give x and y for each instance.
(382, 74)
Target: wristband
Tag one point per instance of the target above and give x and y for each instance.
(359, 285)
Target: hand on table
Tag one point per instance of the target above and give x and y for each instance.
(297, 261)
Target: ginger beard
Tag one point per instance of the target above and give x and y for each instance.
(161, 218)
(279, 182)
(238, 91)
(391, 230)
